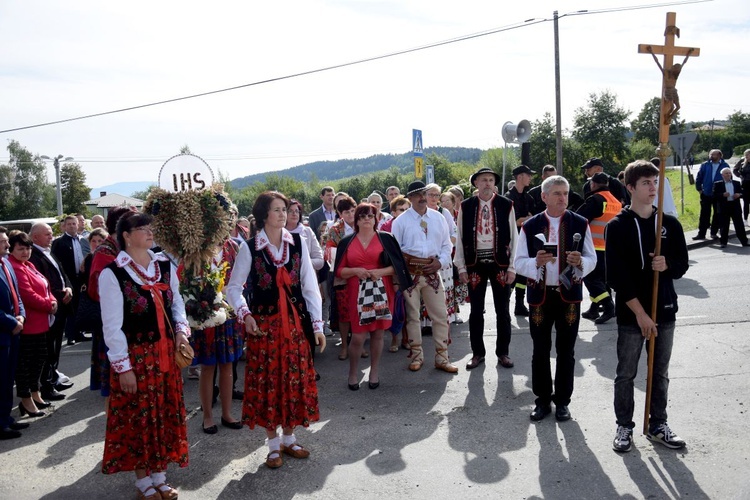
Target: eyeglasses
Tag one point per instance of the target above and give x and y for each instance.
(293, 212)
(145, 229)
(433, 195)
(367, 216)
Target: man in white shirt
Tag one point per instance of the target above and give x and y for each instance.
(485, 248)
(555, 251)
(425, 242)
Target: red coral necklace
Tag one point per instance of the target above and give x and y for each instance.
(145, 278)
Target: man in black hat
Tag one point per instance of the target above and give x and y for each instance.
(523, 205)
(425, 242)
(595, 166)
(485, 247)
(600, 207)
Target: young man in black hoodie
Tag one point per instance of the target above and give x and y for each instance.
(630, 244)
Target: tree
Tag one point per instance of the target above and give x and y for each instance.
(646, 126)
(543, 142)
(600, 127)
(75, 192)
(27, 174)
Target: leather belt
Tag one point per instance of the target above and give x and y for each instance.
(485, 256)
(415, 265)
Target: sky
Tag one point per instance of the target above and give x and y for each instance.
(67, 59)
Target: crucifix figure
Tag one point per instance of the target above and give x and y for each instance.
(670, 82)
(670, 72)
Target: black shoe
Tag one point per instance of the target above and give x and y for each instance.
(606, 316)
(373, 385)
(521, 310)
(231, 425)
(23, 411)
(9, 433)
(698, 237)
(317, 375)
(540, 412)
(53, 395)
(70, 342)
(353, 387)
(210, 430)
(63, 386)
(474, 362)
(239, 395)
(42, 405)
(714, 236)
(723, 245)
(562, 413)
(592, 313)
(19, 426)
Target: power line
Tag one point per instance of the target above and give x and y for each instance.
(524, 24)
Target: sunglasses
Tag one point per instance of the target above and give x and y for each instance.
(367, 216)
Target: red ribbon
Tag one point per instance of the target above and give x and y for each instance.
(162, 346)
(285, 282)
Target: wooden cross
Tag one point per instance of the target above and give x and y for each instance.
(670, 101)
(670, 104)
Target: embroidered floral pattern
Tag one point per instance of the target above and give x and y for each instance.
(500, 277)
(474, 280)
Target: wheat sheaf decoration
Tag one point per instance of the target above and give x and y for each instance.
(190, 224)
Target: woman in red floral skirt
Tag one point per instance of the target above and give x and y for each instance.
(280, 388)
(143, 320)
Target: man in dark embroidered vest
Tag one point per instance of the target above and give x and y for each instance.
(523, 205)
(555, 250)
(485, 247)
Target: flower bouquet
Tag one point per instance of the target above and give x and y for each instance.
(203, 297)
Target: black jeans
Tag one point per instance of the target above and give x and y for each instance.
(705, 220)
(629, 346)
(478, 276)
(31, 356)
(565, 317)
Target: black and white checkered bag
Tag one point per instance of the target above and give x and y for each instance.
(372, 303)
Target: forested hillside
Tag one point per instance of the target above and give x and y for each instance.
(338, 169)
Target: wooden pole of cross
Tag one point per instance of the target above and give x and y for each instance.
(670, 105)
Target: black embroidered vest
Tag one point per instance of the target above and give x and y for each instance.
(570, 224)
(261, 282)
(501, 231)
(139, 320)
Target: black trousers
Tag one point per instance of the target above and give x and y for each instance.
(565, 318)
(479, 274)
(745, 198)
(54, 339)
(705, 220)
(595, 280)
(730, 210)
(32, 354)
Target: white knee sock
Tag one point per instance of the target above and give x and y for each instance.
(274, 444)
(144, 484)
(288, 440)
(159, 478)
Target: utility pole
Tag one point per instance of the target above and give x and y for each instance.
(558, 118)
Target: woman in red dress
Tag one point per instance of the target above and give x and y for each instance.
(373, 255)
(280, 388)
(143, 319)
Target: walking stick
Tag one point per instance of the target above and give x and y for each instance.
(663, 151)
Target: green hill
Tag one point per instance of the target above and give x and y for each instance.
(338, 169)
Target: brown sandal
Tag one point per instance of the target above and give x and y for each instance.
(274, 463)
(300, 452)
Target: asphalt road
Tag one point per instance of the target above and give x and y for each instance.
(433, 435)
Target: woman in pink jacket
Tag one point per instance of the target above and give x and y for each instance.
(40, 308)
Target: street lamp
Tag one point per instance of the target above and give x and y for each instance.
(56, 163)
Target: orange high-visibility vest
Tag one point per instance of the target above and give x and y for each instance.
(612, 207)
